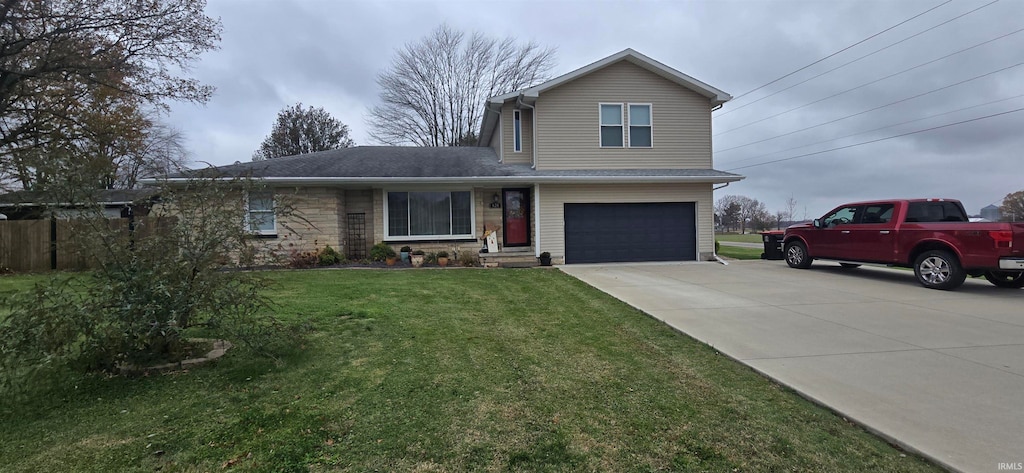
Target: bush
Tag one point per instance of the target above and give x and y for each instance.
(406, 249)
(151, 288)
(469, 260)
(545, 255)
(717, 246)
(442, 254)
(381, 251)
(418, 253)
(329, 256)
(303, 259)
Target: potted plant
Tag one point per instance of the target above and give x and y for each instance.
(417, 258)
(442, 258)
(405, 254)
(382, 252)
(545, 259)
(391, 257)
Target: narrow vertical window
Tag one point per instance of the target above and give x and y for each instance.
(517, 130)
(611, 125)
(260, 213)
(640, 126)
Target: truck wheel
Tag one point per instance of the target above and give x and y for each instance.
(938, 269)
(796, 255)
(1007, 279)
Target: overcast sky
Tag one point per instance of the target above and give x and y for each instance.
(324, 53)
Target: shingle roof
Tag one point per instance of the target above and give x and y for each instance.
(424, 163)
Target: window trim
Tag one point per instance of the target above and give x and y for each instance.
(517, 131)
(629, 126)
(410, 237)
(601, 125)
(271, 211)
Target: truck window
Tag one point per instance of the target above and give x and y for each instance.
(880, 213)
(841, 216)
(935, 212)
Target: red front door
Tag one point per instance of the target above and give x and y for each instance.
(516, 217)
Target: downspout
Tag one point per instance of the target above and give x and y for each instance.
(533, 114)
(715, 253)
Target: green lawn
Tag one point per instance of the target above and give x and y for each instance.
(747, 238)
(444, 370)
(736, 252)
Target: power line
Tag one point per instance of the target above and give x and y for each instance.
(874, 81)
(879, 128)
(877, 140)
(858, 59)
(875, 108)
(839, 51)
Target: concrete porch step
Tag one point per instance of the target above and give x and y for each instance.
(513, 259)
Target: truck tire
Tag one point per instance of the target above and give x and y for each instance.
(939, 269)
(796, 255)
(1006, 279)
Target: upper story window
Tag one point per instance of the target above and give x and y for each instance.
(517, 130)
(432, 214)
(611, 125)
(259, 213)
(640, 126)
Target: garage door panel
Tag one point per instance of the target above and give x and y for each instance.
(596, 233)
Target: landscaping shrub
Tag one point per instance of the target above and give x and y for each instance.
(329, 256)
(381, 251)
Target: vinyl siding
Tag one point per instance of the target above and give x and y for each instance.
(508, 137)
(568, 131)
(554, 197)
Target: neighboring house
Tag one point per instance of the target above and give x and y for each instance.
(116, 203)
(611, 162)
(991, 213)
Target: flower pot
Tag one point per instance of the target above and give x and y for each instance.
(405, 256)
(391, 261)
(417, 260)
(442, 262)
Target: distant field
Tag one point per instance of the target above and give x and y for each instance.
(748, 238)
(739, 253)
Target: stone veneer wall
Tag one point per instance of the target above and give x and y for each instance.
(314, 222)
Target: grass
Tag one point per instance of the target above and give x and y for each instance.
(745, 238)
(736, 252)
(444, 370)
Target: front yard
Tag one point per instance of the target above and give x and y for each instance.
(444, 370)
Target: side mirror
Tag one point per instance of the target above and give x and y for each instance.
(817, 223)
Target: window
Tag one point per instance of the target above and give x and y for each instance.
(260, 213)
(611, 125)
(880, 213)
(842, 216)
(936, 211)
(430, 214)
(639, 126)
(517, 130)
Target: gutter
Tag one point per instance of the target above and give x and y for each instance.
(533, 133)
(465, 179)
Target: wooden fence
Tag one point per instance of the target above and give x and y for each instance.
(44, 245)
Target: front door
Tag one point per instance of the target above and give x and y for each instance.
(516, 217)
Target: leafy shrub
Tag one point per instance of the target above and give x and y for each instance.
(716, 246)
(442, 254)
(303, 259)
(406, 249)
(329, 256)
(381, 251)
(418, 252)
(545, 255)
(469, 260)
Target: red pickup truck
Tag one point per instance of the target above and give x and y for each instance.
(933, 236)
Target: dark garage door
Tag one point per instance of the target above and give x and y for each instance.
(604, 233)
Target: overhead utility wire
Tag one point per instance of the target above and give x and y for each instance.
(837, 52)
(874, 81)
(855, 60)
(876, 129)
(876, 108)
(877, 140)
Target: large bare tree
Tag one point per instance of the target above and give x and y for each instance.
(303, 130)
(433, 92)
(60, 58)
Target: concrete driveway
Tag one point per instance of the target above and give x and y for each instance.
(941, 373)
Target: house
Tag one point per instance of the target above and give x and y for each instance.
(610, 162)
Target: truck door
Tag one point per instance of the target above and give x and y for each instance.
(834, 236)
(872, 237)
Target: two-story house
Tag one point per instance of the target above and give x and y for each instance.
(610, 162)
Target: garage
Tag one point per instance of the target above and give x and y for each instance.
(629, 232)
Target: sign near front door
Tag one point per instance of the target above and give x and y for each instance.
(516, 217)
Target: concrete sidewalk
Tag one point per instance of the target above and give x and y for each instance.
(941, 373)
